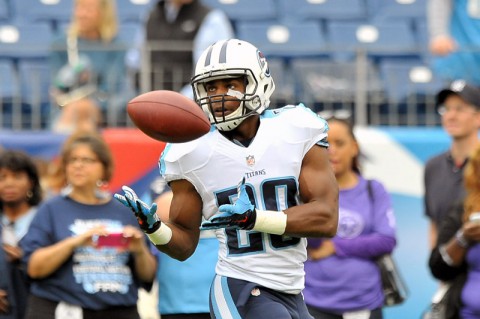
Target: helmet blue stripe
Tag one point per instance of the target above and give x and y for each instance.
(208, 58)
(223, 53)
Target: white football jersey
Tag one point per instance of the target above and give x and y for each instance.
(271, 167)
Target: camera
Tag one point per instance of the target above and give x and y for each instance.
(116, 240)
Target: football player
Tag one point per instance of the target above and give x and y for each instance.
(287, 189)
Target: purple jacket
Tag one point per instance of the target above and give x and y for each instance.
(350, 279)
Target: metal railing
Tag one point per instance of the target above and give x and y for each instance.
(357, 86)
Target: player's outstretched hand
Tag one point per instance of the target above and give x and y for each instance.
(146, 215)
(240, 215)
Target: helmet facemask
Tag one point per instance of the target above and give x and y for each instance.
(249, 103)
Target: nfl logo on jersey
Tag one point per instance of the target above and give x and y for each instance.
(250, 160)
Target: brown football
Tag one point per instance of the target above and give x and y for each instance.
(168, 116)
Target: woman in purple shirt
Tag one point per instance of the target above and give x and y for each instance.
(342, 277)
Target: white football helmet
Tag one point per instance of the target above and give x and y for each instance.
(232, 59)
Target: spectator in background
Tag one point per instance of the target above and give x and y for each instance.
(88, 66)
(177, 32)
(342, 277)
(52, 179)
(184, 287)
(454, 27)
(71, 253)
(458, 106)
(456, 257)
(20, 193)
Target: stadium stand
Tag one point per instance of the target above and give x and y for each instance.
(285, 40)
(24, 94)
(133, 11)
(301, 10)
(377, 39)
(34, 87)
(4, 10)
(410, 87)
(402, 77)
(128, 31)
(326, 84)
(309, 43)
(51, 11)
(25, 40)
(389, 10)
(8, 81)
(421, 33)
(246, 10)
(285, 90)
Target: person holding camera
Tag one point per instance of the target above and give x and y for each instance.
(84, 251)
(456, 258)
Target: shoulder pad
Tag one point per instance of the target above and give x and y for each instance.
(180, 158)
(299, 116)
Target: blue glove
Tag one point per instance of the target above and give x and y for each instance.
(146, 216)
(240, 215)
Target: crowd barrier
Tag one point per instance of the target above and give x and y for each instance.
(393, 155)
(388, 92)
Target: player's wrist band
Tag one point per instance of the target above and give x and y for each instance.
(445, 256)
(161, 236)
(271, 222)
(461, 240)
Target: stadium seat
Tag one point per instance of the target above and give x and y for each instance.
(246, 10)
(35, 81)
(17, 109)
(25, 40)
(8, 81)
(423, 39)
(52, 11)
(410, 88)
(404, 78)
(133, 10)
(4, 11)
(301, 10)
(380, 39)
(327, 81)
(284, 40)
(35, 87)
(284, 83)
(389, 10)
(128, 32)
